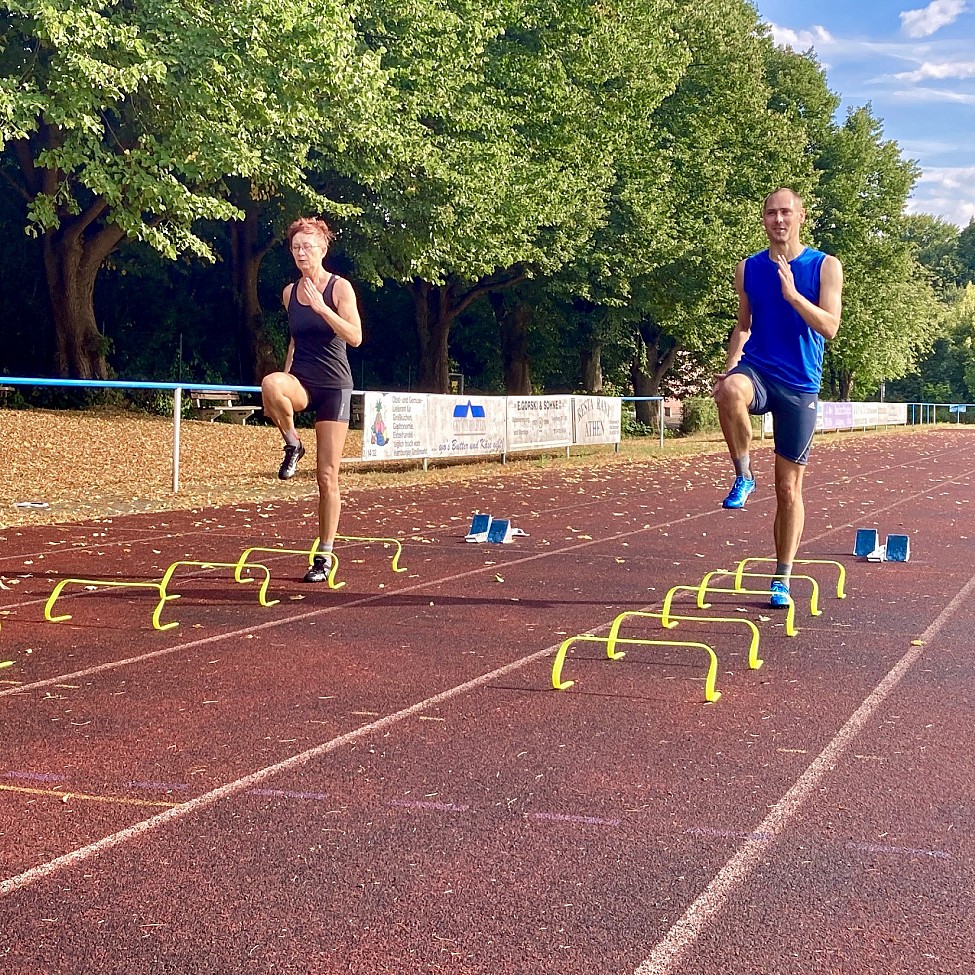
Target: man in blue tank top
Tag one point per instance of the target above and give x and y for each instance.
(790, 299)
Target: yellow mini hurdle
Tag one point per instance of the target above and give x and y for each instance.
(840, 582)
(395, 542)
(814, 609)
(710, 693)
(701, 591)
(161, 588)
(754, 662)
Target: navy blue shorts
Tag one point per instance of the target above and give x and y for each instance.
(327, 402)
(793, 413)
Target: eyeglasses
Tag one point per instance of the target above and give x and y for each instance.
(295, 248)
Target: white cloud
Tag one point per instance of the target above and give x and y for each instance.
(939, 70)
(934, 147)
(801, 40)
(919, 95)
(930, 19)
(946, 192)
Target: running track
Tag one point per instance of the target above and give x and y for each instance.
(379, 779)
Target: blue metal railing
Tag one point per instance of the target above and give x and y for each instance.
(178, 388)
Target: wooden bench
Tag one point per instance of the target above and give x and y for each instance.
(211, 406)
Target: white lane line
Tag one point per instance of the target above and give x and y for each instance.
(248, 782)
(315, 613)
(165, 651)
(682, 936)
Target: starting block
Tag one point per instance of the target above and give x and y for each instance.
(480, 525)
(484, 528)
(867, 541)
(500, 531)
(897, 548)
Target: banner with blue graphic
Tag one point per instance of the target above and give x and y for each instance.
(401, 426)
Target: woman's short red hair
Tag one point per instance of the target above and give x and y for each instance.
(311, 225)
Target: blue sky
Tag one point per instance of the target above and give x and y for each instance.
(915, 64)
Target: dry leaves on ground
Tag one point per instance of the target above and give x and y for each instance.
(100, 463)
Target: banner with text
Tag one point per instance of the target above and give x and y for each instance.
(401, 426)
(539, 421)
(853, 416)
(465, 426)
(395, 426)
(597, 419)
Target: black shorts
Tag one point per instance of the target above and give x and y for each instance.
(793, 413)
(327, 402)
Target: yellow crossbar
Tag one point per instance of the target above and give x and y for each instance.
(710, 694)
(754, 662)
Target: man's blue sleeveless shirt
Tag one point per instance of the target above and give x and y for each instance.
(781, 345)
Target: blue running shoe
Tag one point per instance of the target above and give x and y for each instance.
(740, 490)
(779, 598)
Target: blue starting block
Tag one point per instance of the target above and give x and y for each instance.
(500, 531)
(480, 526)
(867, 541)
(898, 548)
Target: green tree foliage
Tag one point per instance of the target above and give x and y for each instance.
(935, 245)
(890, 312)
(126, 119)
(961, 321)
(719, 145)
(596, 169)
(966, 254)
(517, 104)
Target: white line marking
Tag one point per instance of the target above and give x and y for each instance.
(312, 614)
(733, 874)
(31, 876)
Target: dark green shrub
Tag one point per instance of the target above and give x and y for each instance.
(700, 415)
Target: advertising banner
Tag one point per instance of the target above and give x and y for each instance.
(835, 416)
(597, 419)
(465, 426)
(539, 421)
(395, 426)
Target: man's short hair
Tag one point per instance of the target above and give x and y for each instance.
(783, 189)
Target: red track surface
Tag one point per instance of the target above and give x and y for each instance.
(380, 779)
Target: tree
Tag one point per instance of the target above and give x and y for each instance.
(125, 118)
(961, 321)
(935, 245)
(510, 179)
(890, 311)
(966, 254)
(716, 147)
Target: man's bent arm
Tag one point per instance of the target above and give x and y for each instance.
(824, 317)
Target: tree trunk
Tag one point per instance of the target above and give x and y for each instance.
(591, 367)
(654, 357)
(433, 316)
(254, 349)
(644, 385)
(435, 308)
(512, 318)
(71, 264)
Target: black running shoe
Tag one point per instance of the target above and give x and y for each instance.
(319, 569)
(290, 463)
